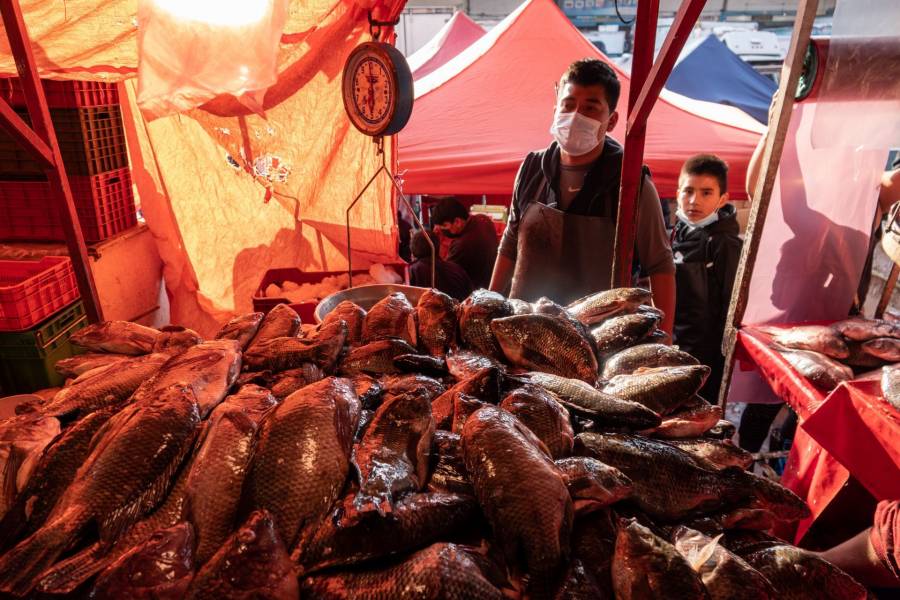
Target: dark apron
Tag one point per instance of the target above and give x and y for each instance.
(562, 256)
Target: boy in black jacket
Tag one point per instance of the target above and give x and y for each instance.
(707, 248)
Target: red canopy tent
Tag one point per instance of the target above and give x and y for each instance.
(454, 37)
(476, 118)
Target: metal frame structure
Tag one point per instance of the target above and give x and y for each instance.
(40, 141)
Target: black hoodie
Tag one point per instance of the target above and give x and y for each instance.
(706, 260)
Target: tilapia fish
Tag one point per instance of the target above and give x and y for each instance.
(647, 567)
(884, 348)
(398, 385)
(602, 305)
(860, 330)
(109, 387)
(160, 568)
(475, 315)
(209, 369)
(22, 442)
(369, 390)
(602, 408)
(484, 385)
(818, 338)
(822, 371)
(376, 358)
(417, 521)
(618, 333)
(392, 457)
(353, 315)
(436, 316)
(242, 328)
(715, 454)
(661, 389)
(462, 364)
(391, 317)
(282, 353)
(220, 464)
(520, 491)
(421, 363)
(463, 407)
(285, 383)
(448, 469)
(693, 419)
(128, 471)
(281, 321)
(120, 337)
(542, 413)
(795, 573)
(725, 575)
(589, 574)
(668, 484)
(592, 484)
(548, 344)
(303, 455)
(890, 385)
(772, 497)
(252, 563)
(82, 363)
(631, 359)
(174, 340)
(439, 572)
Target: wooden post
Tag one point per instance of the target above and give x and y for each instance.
(775, 138)
(20, 45)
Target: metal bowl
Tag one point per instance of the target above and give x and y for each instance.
(366, 296)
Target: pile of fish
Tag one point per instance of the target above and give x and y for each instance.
(485, 449)
(829, 354)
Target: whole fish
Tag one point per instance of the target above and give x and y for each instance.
(520, 307)
(417, 521)
(174, 340)
(353, 315)
(647, 567)
(884, 348)
(436, 317)
(475, 316)
(285, 383)
(82, 363)
(462, 364)
(392, 457)
(693, 419)
(542, 413)
(631, 359)
(520, 491)
(376, 358)
(822, 371)
(22, 443)
(463, 407)
(439, 572)
(618, 333)
(209, 369)
(303, 455)
(890, 385)
(398, 385)
(548, 344)
(160, 568)
(586, 401)
(726, 575)
(858, 329)
(391, 317)
(589, 574)
(421, 363)
(252, 564)
(120, 337)
(773, 497)
(281, 321)
(668, 484)
(242, 328)
(715, 454)
(128, 471)
(661, 389)
(282, 353)
(860, 358)
(602, 305)
(592, 484)
(794, 573)
(111, 386)
(817, 338)
(448, 468)
(220, 465)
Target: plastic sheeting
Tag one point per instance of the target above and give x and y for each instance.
(477, 117)
(712, 72)
(456, 35)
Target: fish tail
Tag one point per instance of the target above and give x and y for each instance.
(70, 573)
(20, 566)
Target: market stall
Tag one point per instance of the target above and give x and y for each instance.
(455, 36)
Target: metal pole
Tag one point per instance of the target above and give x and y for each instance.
(888, 290)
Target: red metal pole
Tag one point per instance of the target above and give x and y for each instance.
(20, 45)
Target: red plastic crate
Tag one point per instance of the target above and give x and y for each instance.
(32, 290)
(104, 203)
(63, 94)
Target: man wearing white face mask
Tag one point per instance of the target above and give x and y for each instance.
(560, 237)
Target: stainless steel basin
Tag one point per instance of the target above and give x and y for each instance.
(366, 296)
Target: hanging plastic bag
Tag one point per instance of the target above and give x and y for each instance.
(190, 51)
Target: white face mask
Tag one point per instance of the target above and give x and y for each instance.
(575, 133)
(707, 220)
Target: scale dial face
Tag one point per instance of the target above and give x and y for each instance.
(377, 89)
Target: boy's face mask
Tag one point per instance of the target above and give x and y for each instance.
(707, 220)
(575, 133)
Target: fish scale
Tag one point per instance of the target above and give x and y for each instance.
(376, 358)
(281, 321)
(631, 359)
(661, 389)
(242, 329)
(475, 315)
(542, 413)
(436, 318)
(352, 314)
(391, 317)
(794, 573)
(619, 333)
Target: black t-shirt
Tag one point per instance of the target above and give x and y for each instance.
(476, 249)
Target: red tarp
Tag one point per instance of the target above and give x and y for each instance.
(476, 118)
(454, 37)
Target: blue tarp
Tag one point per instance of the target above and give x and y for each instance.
(714, 73)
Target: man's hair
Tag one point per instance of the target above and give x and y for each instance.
(419, 244)
(708, 164)
(448, 209)
(593, 71)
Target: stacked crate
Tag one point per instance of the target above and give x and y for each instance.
(87, 118)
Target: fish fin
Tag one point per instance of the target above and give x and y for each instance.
(20, 566)
(68, 574)
(697, 558)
